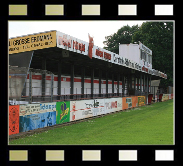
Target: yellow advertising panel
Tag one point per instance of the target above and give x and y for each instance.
(32, 42)
(141, 100)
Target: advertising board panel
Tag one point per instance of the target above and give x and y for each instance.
(129, 102)
(47, 107)
(113, 104)
(35, 121)
(13, 119)
(62, 112)
(29, 109)
(81, 109)
(32, 42)
(141, 100)
(165, 97)
(70, 43)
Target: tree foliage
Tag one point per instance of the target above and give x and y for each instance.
(158, 36)
(122, 36)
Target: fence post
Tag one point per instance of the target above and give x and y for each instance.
(30, 87)
(52, 79)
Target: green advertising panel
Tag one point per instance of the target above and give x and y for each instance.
(63, 112)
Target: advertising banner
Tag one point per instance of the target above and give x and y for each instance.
(98, 107)
(63, 112)
(70, 43)
(88, 108)
(13, 119)
(113, 104)
(35, 121)
(29, 109)
(129, 102)
(32, 42)
(81, 109)
(141, 100)
(169, 96)
(165, 97)
(47, 107)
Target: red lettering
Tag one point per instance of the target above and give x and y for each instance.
(107, 56)
(83, 47)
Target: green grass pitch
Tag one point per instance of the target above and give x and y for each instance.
(147, 125)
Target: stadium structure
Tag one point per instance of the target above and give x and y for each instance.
(53, 66)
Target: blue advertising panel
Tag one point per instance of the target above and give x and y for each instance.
(35, 121)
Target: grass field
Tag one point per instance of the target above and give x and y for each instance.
(148, 125)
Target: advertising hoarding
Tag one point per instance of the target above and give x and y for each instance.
(81, 109)
(32, 42)
(13, 119)
(141, 100)
(62, 112)
(35, 121)
(47, 107)
(88, 108)
(29, 109)
(165, 97)
(113, 104)
(129, 102)
(70, 43)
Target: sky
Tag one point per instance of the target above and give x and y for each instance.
(78, 29)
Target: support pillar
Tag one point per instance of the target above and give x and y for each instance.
(123, 85)
(144, 84)
(52, 80)
(92, 84)
(72, 82)
(100, 81)
(59, 81)
(150, 83)
(140, 84)
(147, 88)
(118, 84)
(43, 84)
(43, 78)
(106, 84)
(112, 84)
(82, 81)
(30, 87)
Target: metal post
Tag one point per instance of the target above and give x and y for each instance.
(123, 85)
(100, 78)
(106, 84)
(52, 79)
(112, 84)
(118, 84)
(43, 84)
(82, 81)
(150, 84)
(92, 85)
(59, 80)
(144, 84)
(140, 84)
(72, 81)
(30, 87)
(147, 88)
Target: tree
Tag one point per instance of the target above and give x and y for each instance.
(158, 36)
(123, 36)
